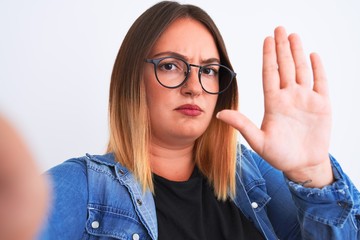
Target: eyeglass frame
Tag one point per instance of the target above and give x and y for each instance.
(156, 61)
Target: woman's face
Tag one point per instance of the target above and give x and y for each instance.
(179, 116)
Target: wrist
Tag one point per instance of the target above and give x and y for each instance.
(317, 176)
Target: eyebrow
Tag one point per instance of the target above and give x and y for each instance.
(178, 55)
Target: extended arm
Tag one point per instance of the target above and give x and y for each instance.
(23, 191)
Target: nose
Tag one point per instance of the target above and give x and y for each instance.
(192, 86)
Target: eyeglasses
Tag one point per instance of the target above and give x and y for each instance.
(173, 72)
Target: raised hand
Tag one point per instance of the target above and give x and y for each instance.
(295, 132)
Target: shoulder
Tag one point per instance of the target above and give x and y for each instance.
(96, 189)
(76, 174)
(79, 166)
(67, 172)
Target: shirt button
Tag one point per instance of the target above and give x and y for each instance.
(342, 204)
(254, 205)
(135, 236)
(95, 224)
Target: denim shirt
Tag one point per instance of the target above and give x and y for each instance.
(95, 197)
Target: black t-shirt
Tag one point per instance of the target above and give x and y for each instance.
(189, 210)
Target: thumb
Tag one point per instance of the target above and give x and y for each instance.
(252, 134)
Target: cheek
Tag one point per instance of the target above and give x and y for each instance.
(157, 98)
(212, 100)
(154, 94)
(151, 88)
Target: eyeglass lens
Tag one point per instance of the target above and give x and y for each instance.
(172, 72)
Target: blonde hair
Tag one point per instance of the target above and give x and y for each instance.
(214, 151)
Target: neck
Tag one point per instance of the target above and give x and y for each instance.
(172, 163)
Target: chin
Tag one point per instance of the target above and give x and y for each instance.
(192, 134)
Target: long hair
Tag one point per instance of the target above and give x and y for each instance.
(214, 152)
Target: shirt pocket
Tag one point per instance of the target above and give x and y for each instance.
(258, 195)
(105, 223)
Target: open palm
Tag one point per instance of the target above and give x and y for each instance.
(295, 132)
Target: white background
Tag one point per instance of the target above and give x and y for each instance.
(56, 59)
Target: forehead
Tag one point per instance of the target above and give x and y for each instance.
(187, 37)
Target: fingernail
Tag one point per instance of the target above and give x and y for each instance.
(217, 115)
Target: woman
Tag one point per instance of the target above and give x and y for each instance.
(174, 169)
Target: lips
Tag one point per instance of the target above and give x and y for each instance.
(189, 110)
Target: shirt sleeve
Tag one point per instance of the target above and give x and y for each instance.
(68, 212)
(332, 212)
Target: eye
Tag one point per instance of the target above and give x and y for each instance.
(171, 64)
(210, 71)
(168, 66)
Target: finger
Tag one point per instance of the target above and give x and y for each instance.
(270, 73)
(284, 58)
(248, 130)
(303, 74)
(320, 81)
